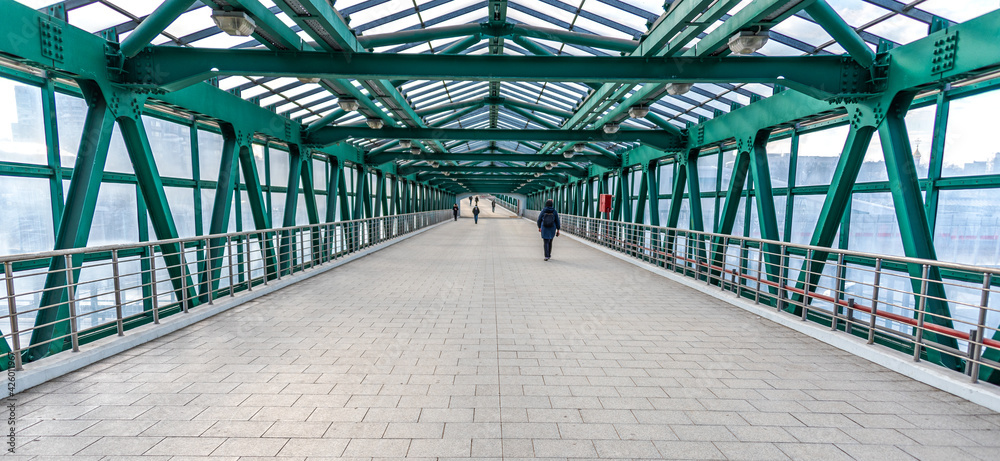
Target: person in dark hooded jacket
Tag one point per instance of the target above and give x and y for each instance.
(548, 225)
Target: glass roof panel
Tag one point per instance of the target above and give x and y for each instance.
(900, 29)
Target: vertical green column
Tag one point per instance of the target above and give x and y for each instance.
(694, 192)
(918, 241)
(287, 250)
(312, 212)
(74, 224)
(221, 209)
(151, 186)
(345, 203)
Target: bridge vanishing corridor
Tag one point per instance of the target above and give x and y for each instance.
(461, 342)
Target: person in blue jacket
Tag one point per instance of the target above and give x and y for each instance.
(548, 225)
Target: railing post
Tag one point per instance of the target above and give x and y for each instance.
(208, 269)
(152, 286)
(183, 270)
(782, 278)
(232, 279)
(71, 298)
(918, 340)
(874, 313)
(15, 332)
(118, 292)
(984, 302)
(839, 279)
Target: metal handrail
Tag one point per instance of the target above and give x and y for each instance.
(761, 272)
(204, 268)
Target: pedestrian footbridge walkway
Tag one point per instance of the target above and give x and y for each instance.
(461, 342)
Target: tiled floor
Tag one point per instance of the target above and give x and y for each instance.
(462, 342)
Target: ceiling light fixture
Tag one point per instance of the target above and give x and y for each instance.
(235, 23)
(747, 42)
(678, 88)
(548, 166)
(578, 147)
(569, 154)
(375, 123)
(639, 111)
(309, 79)
(405, 143)
(348, 104)
(538, 175)
(611, 128)
(415, 150)
(435, 164)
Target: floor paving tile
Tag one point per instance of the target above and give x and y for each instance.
(461, 342)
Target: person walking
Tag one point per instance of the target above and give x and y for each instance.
(477, 200)
(470, 200)
(548, 225)
(494, 203)
(454, 211)
(475, 213)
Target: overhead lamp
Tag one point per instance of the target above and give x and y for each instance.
(435, 164)
(235, 23)
(639, 111)
(548, 166)
(538, 175)
(405, 143)
(375, 123)
(678, 88)
(611, 128)
(415, 150)
(747, 42)
(446, 173)
(569, 154)
(309, 79)
(348, 104)
(578, 147)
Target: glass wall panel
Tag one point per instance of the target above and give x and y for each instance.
(968, 226)
(319, 175)
(258, 160)
(708, 170)
(27, 219)
(684, 217)
(818, 155)
(970, 148)
(277, 209)
(301, 212)
(279, 167)
(874, 227)
(728, 163)
(873, 167)
(171, 145)
(804, 216)
(118, 159)
(666, 178)
(71, 114)
(22, 132)
(181, 200)
(210, 155)
(920, 129)
(708, 213)
(116, 216)
(779, 157)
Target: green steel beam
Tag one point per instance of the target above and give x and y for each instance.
(412, 169)
(640, 209)
(221, 208)
(764, 196)
(844, 34)
(148, 178)
(918, 241)
(156, 22)
(334, 134)
(173, 68)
